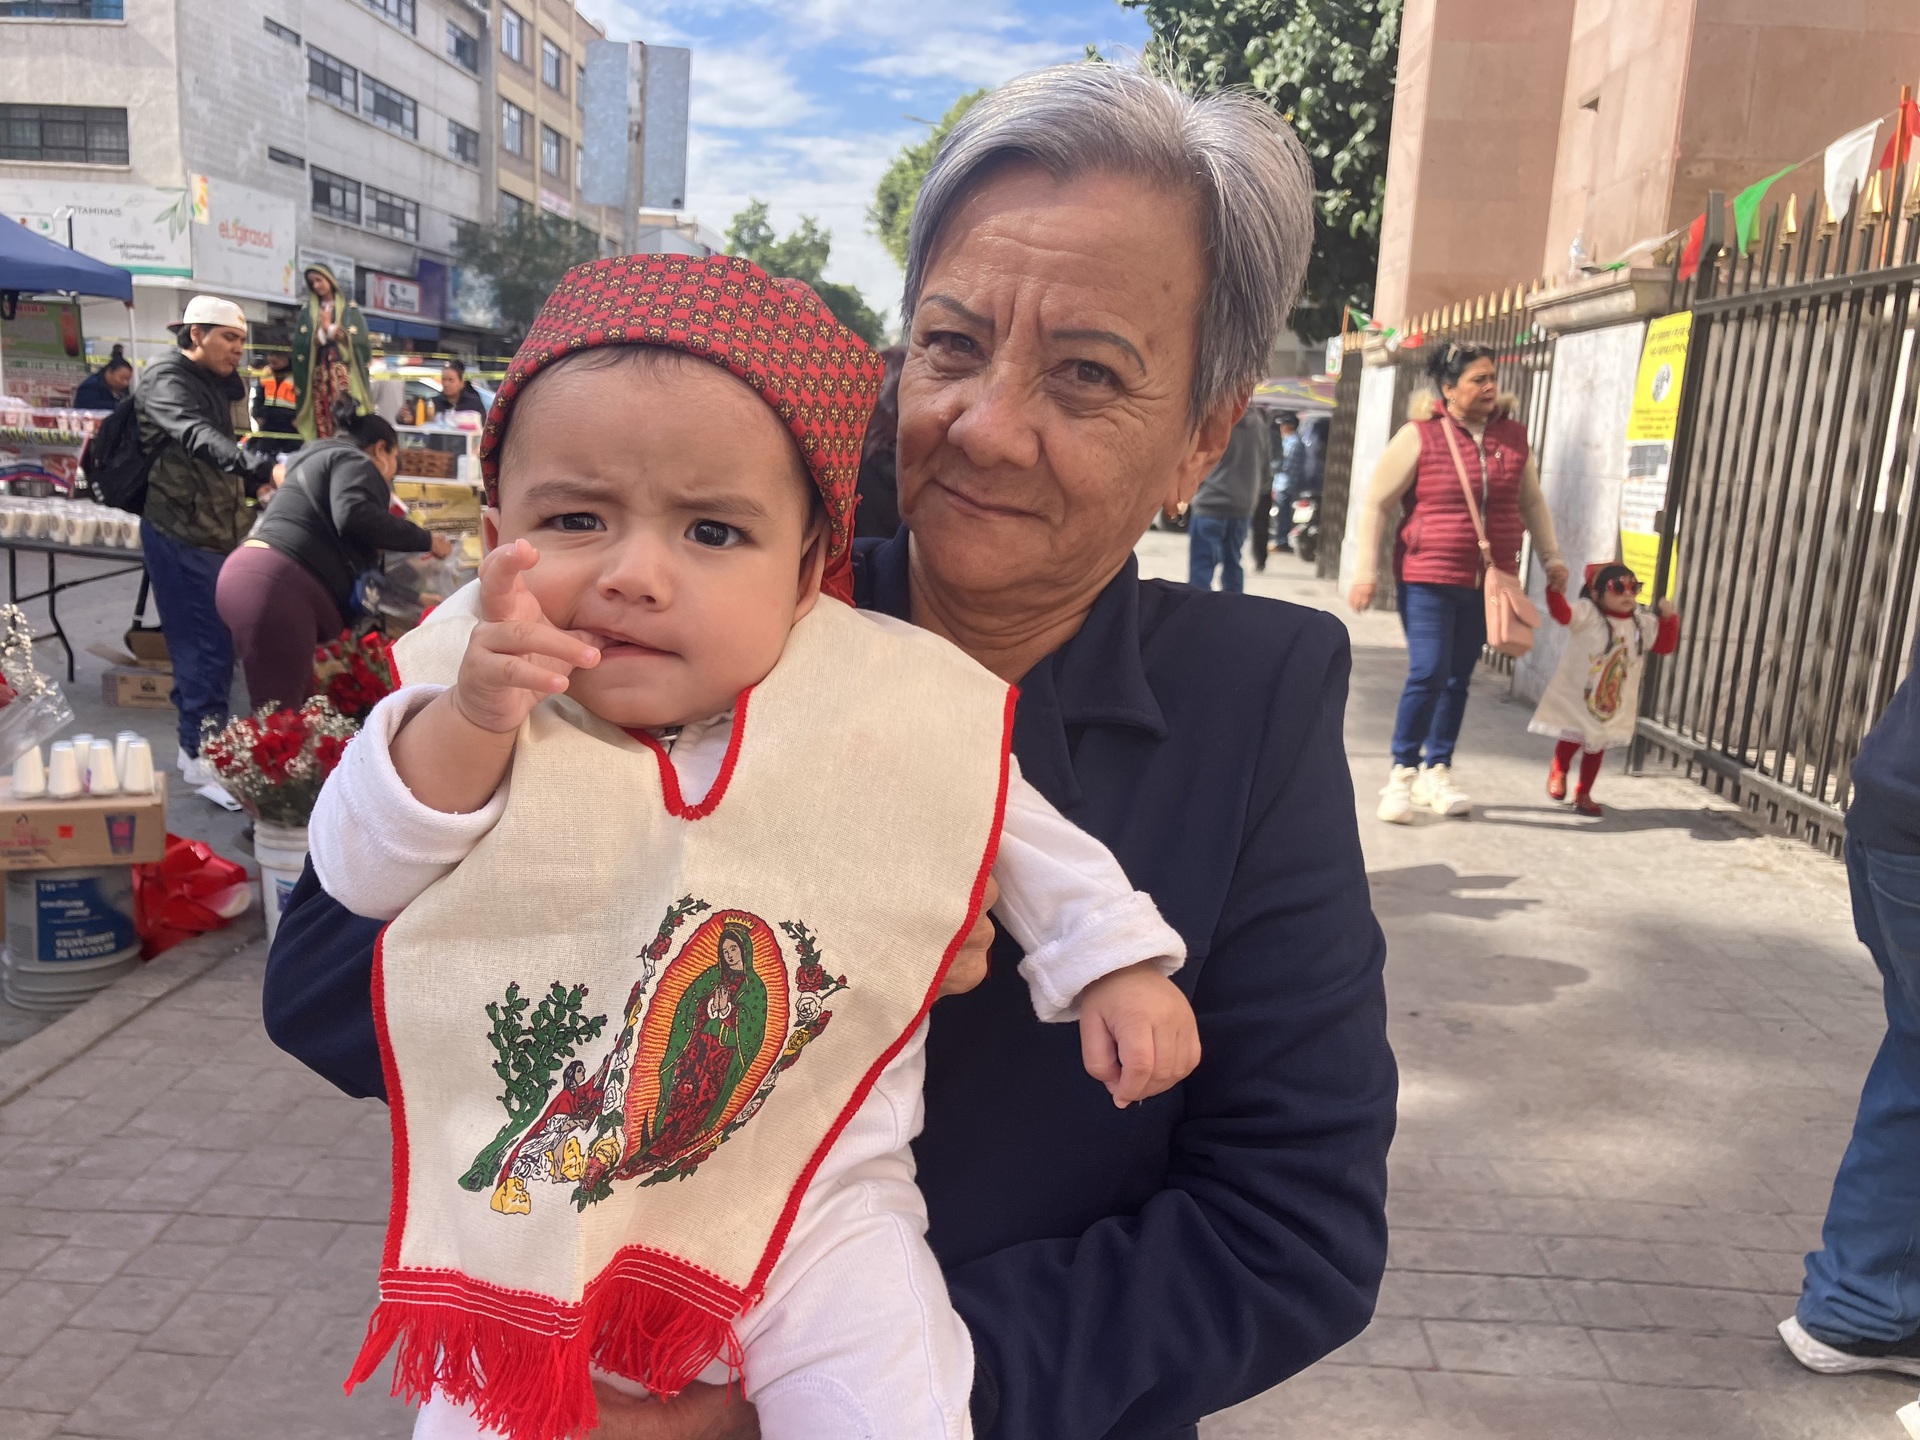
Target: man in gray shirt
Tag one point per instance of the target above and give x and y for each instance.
(1222, 507)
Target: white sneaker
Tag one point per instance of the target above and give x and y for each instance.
(195, 771)
(1909, 1416)
(1825, 1359)
(1435, 789)
(1396, 801)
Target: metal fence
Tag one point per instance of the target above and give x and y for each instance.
(1336, 484)
(1791, 530)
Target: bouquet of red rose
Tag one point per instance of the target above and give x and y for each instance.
(355, 673)
(274, 761)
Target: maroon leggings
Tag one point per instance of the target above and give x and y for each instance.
(277, 610)
(1563, 754)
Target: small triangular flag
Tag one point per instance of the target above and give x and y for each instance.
(1746, 203)
(1903, 136)
(1846, 168)
(1690, 255)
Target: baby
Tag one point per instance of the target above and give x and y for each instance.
(649, 754)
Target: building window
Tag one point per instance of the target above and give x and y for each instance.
(388, 108)
(462, 143)
(400, 12)
(285, 157)
(513, 35)
(62, 9)
(512, 207)
(335, 196)
(463, 49)
(69, 134)
(281, 32)
(465, 232)
(391, 214)
(580, 87)
(332, 79)
(553, 151)
(513, 128)
(553, 65)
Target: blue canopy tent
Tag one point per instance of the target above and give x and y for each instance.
(34, 265)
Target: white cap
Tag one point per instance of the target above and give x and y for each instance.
(211, 310)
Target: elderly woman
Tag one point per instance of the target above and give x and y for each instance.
(1438, 567)
(1098, 265)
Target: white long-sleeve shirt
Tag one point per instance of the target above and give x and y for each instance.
(856, 1336)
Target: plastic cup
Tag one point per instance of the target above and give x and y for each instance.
(80, 744)
(120, 743)
(29, 774)
(103, 777)
(137, 777)
(63, 771)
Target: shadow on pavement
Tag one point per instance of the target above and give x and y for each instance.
(1699, 824)
(1435, 890)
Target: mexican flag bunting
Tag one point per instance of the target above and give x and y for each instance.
(1747, 202)
(1905, 128)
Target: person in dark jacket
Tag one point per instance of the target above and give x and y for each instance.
(1223, 506)
(275, 403)
(877, 513)
(197, 508)
(104, 388)
(1860, 1305)
(455, 392)
(289, 587)
(1122, 1273)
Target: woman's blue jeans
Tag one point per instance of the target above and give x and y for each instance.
(1863, 1283)
(1446, 629)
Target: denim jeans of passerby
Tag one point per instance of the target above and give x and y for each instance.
(185, 579)
(1863, 1283)
(1446, 629)
(1214, 542)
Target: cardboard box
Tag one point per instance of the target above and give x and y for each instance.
(454, 508)
(137, 687)
(91, 830)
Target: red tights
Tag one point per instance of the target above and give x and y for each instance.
(1590, 762)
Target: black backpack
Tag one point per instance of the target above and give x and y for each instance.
(116, 465)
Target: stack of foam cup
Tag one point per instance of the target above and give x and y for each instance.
(29, 774)
(136, 774)
(103, 778)
(63, 772)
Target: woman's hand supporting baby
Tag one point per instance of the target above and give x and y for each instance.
(454, 753)
(1138, 1036)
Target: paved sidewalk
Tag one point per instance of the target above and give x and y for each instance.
(1630, 1053)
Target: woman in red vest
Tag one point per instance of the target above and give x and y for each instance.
(1437, 561)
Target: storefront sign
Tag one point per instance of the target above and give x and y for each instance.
(44, 354)
(244, 243)
(140, 229)
(1651, 425)
(394, 295)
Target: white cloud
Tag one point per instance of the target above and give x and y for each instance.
(751, 89)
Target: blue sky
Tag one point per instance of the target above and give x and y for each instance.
(803, 102)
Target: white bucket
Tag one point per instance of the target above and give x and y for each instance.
(282, 853)
(70, 934)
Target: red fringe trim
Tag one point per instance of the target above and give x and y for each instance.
(530, 1385)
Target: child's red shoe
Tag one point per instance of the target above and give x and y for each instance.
(1587, 805)
(1556, 783)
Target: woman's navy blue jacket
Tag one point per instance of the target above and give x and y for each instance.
(1124, 1273)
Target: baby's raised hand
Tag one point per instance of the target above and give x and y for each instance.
(516, 657)
(1138, 1036)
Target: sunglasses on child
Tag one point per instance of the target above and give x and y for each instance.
(1622, 585)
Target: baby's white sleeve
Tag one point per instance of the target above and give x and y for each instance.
(1067, 901)
(375, 848)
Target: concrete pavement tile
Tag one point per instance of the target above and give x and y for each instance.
(27, 1424)
(1804, 1193)
(82, 1264)
(305, 1240)
(86, 1075)
(220, 1077)
(1465, 1297)
(1528, 1407)
(1714, 1312)
(1464, 1172)
(117, 1229)
(210, 1229)
(1501, 1348)
(1585, 1258)
(35, 1310)
(67, 1368)
(209, 1324)
(286, 1383)
(34, 1113)
(118, 1157)
(1477, 1251)
(1388, 1341)
(149, 1397)
(1605, 1304)
(131, 1302)
(1540, 1177)
(1445, 1210)
(336, 1177)
(166, 1260)
(256, 1275)
(23, 1252)
(323, 1119)
(1724, 1266)
(1703, 1361)
(1348, 1401)
(226, 1198)
(19, 1182)
(355, 1250)
(350, 1209)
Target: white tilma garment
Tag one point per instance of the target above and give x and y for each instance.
(1594, 697)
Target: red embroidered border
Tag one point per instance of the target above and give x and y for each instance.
(670, 779)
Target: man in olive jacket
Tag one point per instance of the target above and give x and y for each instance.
(196, 508)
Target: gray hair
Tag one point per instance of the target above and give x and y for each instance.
(1242, 162)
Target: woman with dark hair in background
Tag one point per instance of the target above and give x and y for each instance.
(290, 586)
(1438, 567)
(105, 387)
(455, 392)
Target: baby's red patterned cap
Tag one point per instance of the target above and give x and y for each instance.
(777, 335)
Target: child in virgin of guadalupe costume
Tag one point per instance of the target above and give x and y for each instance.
(676, 848)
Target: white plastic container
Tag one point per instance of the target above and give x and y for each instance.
(70, 934)
(282, 853)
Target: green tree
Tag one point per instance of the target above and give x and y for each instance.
(523, 258)
(802, 255)
(1328, 67)
(530, 1056)
(891, 215)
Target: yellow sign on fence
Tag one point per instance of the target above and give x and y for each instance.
(1651, 425)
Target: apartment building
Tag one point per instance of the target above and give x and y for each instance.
(222, 144)
(540, 51)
